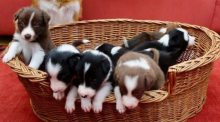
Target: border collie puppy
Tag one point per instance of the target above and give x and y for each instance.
(167, 59)
(94, 71)
(148, 36)
(60, 65)
(169, 42)
(32, 37)
(134, 74)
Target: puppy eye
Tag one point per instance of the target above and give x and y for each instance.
(36, 25)
(92, 81)
(22, 24)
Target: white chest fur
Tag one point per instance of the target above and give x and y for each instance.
(32, 52)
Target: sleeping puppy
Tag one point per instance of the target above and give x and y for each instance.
(148, 36)
(169, 42)
(134, 74)
(167, 59)
(60, 66)
(32, 37)
(94, 71)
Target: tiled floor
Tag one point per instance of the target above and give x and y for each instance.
(4, 40)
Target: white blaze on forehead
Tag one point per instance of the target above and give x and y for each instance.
(129, 100)
(164, 40)
(137, 63)
(28, 29)
(86, 67)
(185, 34)
(67, 47)
(115, 50)
(130, 83)
(53, 69)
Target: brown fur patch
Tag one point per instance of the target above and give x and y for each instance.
(148, 79)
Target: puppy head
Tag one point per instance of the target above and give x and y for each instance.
(31, 23)
(176, 38)
(60, 66)
(133, 78)
(93, 70)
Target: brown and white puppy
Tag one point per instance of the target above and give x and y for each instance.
(31, 37)
(60, 11)
(148, 36)
(134, 74)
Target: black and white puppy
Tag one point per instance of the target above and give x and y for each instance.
(60, 65)
(94, 72)
(169, 42)
(148, 36)
(167, 59)
(32, 37)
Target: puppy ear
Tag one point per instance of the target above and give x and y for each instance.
(46, 17)
(105, 65)
(73, 60)
(16, 15)
(149, 80)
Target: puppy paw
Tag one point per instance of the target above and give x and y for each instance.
(69, 106)
(86, 105)
(97, 107)
(120, 107)
(59, 95)
(7, 57)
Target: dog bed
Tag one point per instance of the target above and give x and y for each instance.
(182, 96)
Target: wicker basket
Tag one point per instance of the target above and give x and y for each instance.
(182, 97)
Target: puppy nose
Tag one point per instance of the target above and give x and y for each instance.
(27, 36)
(84, 96)
(56, 91)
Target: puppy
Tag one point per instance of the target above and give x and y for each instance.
(134, 74)
(167, 59)
(169, 42)
(32, 37)
(60, 66)
(94, 71)
(60, 11)
(148, 36)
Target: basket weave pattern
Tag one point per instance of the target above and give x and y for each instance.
(182, 97)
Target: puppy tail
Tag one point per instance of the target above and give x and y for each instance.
(79, 42)
(125, 42)
(156, 54)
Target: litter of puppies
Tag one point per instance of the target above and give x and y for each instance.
(139, 65)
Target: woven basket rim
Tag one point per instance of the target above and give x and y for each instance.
(213, 54)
